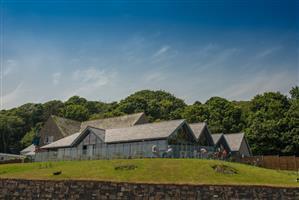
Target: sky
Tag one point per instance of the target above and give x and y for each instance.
(107, 50)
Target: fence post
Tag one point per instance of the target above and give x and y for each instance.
(279, 162)
(295, 163)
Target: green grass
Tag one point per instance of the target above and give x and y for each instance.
(180, 171)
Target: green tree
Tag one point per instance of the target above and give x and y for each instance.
(223, 116)
(158, 105)
(76, 112)
(10, 133)
(195, 113)
(266, 123)
(295, 92)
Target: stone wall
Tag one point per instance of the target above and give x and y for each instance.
(28, 189)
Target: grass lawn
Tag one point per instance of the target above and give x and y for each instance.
(191, 171)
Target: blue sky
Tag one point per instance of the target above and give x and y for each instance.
(106, 50)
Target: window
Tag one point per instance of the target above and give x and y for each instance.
(84, 149)
(49, 139)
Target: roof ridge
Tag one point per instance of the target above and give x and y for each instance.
(114, 117)
(65, 118)
(147, 124)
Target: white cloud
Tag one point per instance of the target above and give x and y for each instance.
(267, 52)
(56, 78)
(161, 51)
(89, 81)
(12, 96)
(10, 67)
(216, 59)
(155, 76)
(259, 83)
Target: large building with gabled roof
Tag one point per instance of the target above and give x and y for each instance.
(134, 140)
(57, 128)
(132, 135)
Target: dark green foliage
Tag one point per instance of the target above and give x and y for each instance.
(270, 120)
(10, 132)
(157, 105)
(271, 124)
(221, 115)
(76, 112)
(295, 92)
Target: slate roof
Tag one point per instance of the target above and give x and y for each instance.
(234, 140)
(28, 149)
(66, 126)
(216, 137)
(64, 142)
(198, 128)
(148, 131)
(113, 122)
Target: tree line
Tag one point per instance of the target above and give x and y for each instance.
(270, 120)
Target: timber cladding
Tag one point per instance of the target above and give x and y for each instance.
(273, 162)
(71, 189)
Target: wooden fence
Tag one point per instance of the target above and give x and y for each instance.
(273, 162)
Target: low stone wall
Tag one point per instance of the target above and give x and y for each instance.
(36, 189)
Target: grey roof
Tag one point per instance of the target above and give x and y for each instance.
(234, 140)
(64, 142)
(114, 122)
(216, 137)
(28, 149)
(66, 126)
(98, 132)
(198, 128)
(72, 139)
(148, 131)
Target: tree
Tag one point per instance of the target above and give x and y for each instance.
(195, 113)
(31, 135)
(295, 92)
(52, 108)
(291, 136)
(76, 100)
(157, 105)
(266, 123)
(76, 112)
(223, 116)
(10, 133)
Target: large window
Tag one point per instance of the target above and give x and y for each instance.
(181, 136)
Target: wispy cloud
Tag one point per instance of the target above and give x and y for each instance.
(10, 67)
(267, 52)
(9, 99)
(264, 81)
(91, 80)
(161, 51)
(215, 59)
(154, 77)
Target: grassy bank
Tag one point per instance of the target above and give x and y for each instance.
(179, 171)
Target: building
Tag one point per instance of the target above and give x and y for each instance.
(8, 157)
(133, 136)
(235, 143)
(28, 151)
(57, 128)
(202, 133)
(172, 138)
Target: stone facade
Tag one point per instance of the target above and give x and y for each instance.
(36, 189)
